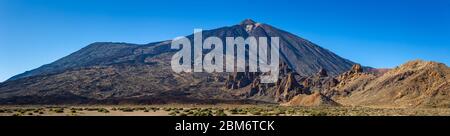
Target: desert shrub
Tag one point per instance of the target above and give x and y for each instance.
(220, 112)
(140, 108)
(318, 113)
(9, 111)
(93, 109)
(172, 113)
(29, 113)
(279, 112)
(190, 112)
(167, 109)
(21, 111)
(146, 110)
(361, 113)
(291, 111)
(127, 109)
(59, 110)
(255, 112)
(103, 110)
(75, 109)
(234, 111)
(268, 114)
(205, 112)
(183, 114)
(243, 111)
(154, 109)
(17, 114)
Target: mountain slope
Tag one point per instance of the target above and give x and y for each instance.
(414, 84)
(304, 56)
(121, 72)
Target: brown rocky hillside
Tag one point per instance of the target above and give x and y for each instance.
(414, 84)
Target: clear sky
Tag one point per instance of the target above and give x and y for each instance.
(377, 33)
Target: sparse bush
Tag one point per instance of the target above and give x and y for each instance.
(103, 110)
(59, 110)
(190, 112)
(183, 114)
(234, 111)
(220, 112)
(279, 112)
(154, 109)
(318, 113)
(268, 114)
(22, 111)
(167, 109)
(127, 109)
(255, 112)
(17, 114)
(92, 109)
(172, 113)
(203, 112)
(76, 109)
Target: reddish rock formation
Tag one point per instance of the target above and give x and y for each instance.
(287, 89)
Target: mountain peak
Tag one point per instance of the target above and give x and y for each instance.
(248, 22)
(249, 25)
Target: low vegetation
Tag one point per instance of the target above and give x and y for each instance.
(226, 110)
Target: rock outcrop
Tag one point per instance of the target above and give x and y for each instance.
(315, 99)
(350, 81)
(288, 88)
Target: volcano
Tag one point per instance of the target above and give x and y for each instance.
(106, 72)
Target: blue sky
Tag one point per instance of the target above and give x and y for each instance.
(377, 33)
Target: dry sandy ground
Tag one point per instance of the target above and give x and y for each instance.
(211, 110)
